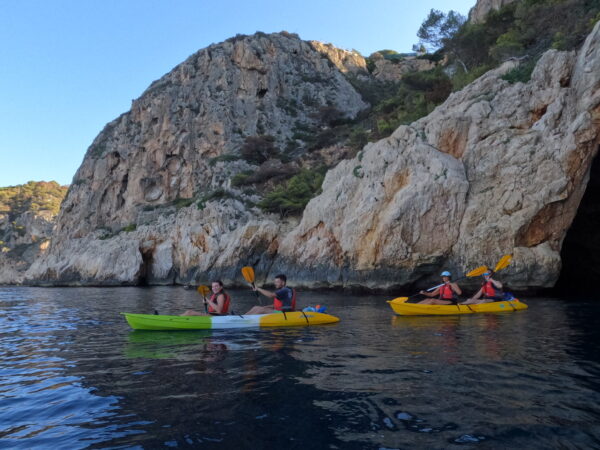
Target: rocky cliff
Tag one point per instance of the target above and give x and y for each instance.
(27, 218)
(386, 70)
(483, 7)
(498, 168)
(145, 187)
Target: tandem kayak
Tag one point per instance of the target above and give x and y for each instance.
(402, 308)
(290, 319)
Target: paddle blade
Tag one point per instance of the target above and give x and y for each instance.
(477, 272)
(504, 262)
(398, 300)
(248, 274)
(203, 290)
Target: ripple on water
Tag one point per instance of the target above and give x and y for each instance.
(73, 375)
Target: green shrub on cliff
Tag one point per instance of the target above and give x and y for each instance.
(242, 179)
(258, 149)
(462, 78)
(523, 29)
(293, 196)
(226, 157)
(415, 96)
(358, 137)
(180, 202)
(32, 196)
(520, 73)
(214, 195)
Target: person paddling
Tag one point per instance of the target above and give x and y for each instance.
(217, 304)
(446, 294)
(284, 298)
(490, 291)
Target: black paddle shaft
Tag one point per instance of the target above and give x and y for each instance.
(257, 295)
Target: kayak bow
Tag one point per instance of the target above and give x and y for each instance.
(290, 319)
(402, 308)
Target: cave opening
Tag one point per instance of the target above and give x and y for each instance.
(580, 251)
(146, 268)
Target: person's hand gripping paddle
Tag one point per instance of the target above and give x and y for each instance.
(248, 274)
(204, 291)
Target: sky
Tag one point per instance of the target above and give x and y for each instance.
(68, 67)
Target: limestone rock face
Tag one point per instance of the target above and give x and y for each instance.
(345, 61)
(386, 70)
(159, 151)
(483, 7)
(26, 228)
(498, 168)
(375, 214)
(125, 218)
(24, 238)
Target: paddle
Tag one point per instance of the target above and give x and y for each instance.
(503, 263)
(203, 291)
(248, 274)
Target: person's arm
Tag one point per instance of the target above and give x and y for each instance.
(218, 305)
(430, 294)
(455, 288)
(220, 302)
(478, 294)
(496, 283)
(266, 293)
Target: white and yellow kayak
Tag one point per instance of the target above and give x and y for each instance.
(289, 319)
(402, 308)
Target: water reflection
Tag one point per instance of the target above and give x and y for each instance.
(74, 375)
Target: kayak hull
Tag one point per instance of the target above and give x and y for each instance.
(290, 319)
(402, 308)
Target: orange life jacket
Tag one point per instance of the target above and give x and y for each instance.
(446, 292)
(213, 298)
(488, 289)
(278, 305)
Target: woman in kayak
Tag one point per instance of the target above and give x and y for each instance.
(446, 294)
(284, 298)
(217, 304)
(490, 291)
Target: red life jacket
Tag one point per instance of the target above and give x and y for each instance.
(213, 298)
(446, 292)
(278, 304)
(488, 289)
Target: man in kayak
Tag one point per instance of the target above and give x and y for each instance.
(217, 304)
(446, 294)
(490, 291)
(284, 298)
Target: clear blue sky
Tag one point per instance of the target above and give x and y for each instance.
(67, 67)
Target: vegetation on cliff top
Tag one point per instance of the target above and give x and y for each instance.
(523, 29)
(33, 196)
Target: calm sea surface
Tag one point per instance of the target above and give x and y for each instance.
(74, 375)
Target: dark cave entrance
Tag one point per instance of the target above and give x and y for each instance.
(145, 269)
(581, 248)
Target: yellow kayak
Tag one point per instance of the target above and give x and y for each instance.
(402, 308)
(290, 319)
